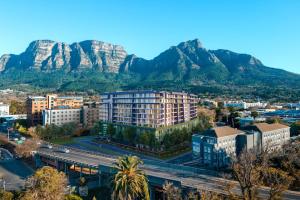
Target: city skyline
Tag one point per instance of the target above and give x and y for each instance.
(264, 29)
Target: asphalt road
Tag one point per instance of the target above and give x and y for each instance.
(14, 172)
(187, 178)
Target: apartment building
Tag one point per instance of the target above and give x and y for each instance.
(4, 109)
(62, 116)
(215, 146)
(36, 104)
(91, 113)
(147, 108)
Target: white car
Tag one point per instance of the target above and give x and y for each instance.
(48, 146)
(64, 150)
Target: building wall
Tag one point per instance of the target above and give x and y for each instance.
(35, 106)
(214, 151)
(147, 108)
(61, 116)
(91, 114)
(4, 109)
(275, 139)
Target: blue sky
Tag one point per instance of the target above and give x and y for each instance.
(267, 29)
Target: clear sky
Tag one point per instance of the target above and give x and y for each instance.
(267, 29)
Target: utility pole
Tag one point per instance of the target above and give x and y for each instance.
(8, 134)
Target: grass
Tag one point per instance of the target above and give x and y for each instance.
(62, 141)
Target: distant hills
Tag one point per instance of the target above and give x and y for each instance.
(99, 66)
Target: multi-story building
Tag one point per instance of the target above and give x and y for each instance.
(62, 116)
(36, 104)
(215, 146)
(271, 136)
(147, 108)
(244, 105)
(4, 109)
(91, 113)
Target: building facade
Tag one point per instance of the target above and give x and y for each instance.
(59, 117)
(4, 109)
(271, 136)
(91, 113)
(215, 146)
(147, 108)
(36, 104)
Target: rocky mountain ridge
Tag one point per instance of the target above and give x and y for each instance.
(188, 62)
(47, 55)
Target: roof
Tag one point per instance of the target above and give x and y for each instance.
(222, 131)
(265, 127)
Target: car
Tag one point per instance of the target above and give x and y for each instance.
(48, 146)
(64, 150)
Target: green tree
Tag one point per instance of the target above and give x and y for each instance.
(111, 131)
(254, 114)
(129, 135)
(130, 182)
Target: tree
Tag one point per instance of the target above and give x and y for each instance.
(278, 181)
(130, 182)
(247, 172)
(26, 149)
(171, 192)
(111, 131)
(72, 197)
(47, 184)
(4, 195)
(254, 114)
(129, 135)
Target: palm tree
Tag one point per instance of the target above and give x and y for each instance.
(130, 182)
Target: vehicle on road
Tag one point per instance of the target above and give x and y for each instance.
(63, 150)
(48, 146)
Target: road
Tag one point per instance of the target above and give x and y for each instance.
(14, 172)
(199, 180)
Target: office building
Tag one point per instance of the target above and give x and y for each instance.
(62, 116)
(36, 104)
(215, 146)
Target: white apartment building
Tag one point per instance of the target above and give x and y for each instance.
(147, 108)
(4, 109)
(61, 116)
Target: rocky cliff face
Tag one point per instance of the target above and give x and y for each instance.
(47, 55)
(188, 61)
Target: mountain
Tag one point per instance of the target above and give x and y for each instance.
(47, 55)
(103, 66)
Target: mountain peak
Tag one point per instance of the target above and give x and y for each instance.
(196, 43)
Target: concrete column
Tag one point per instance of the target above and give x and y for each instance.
(99, 176)
(66, 168)
(151, 193)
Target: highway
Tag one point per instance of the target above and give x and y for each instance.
(188, 178)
